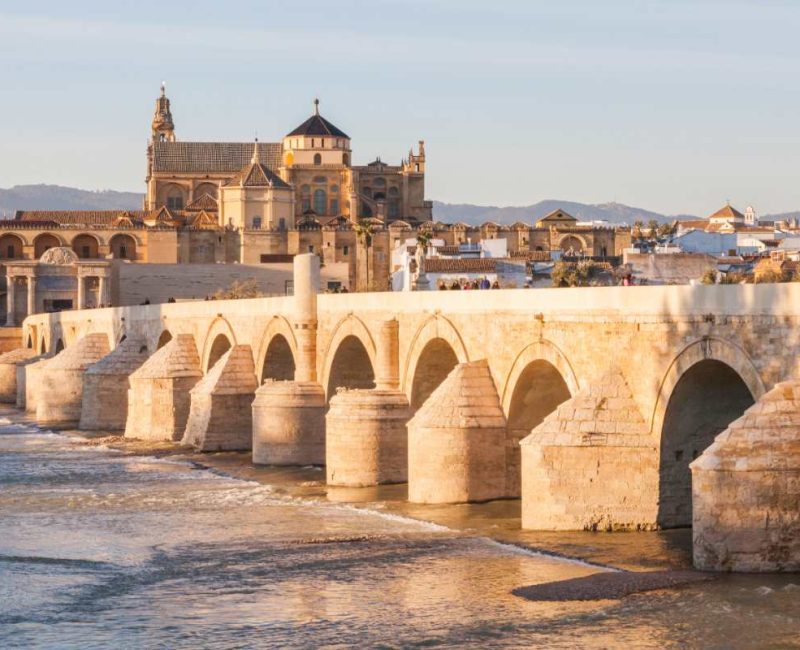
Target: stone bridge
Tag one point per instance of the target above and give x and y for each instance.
(589, 403)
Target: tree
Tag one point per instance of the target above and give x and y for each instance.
(239, 289)
(365, 230)
(636, 231)
(652, 227)
(580, 274)
(665, 230)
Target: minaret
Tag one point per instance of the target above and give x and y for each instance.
(163, 128)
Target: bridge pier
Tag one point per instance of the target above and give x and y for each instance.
(746, 489)
(220, 414)
(289, 416)
(8, 372)
(21, 373)
(367, 439)
(456, 441)
(60, 390)
(106, 384)
(158, 397)
(31, 383)
(591, 464)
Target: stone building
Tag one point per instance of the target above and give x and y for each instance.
(263, 203)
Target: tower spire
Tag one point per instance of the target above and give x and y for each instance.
(254, 159)
(316, 106)
(163, 128)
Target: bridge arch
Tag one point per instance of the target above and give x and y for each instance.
(435, 349)
(540, 379)
(351, 343)
(277, 352)
(218, 340)
(707, 386)
(163, 338)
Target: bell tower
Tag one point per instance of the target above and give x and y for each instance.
(163, 128)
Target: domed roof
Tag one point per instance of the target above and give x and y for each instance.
(318, 125)
(58, 255)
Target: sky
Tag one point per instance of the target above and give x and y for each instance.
(671, 105)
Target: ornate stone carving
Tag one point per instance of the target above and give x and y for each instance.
(60, 256)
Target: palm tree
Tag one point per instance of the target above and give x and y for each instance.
(652, 226)
(636, 231)
(364, 230)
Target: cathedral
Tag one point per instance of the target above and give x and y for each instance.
(244, 202)
(262, 203)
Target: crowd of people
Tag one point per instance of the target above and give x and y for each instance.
(465, 285)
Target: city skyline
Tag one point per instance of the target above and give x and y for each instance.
(674, 107)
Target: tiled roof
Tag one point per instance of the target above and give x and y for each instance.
(558, 215)
(212, 156)
(727, 212)
(318, 125)
(79, 217)
(204, 202)
(463, 265)
(258, 175)
(448, 250)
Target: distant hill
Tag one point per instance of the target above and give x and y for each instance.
(56, 197)
(611, 212)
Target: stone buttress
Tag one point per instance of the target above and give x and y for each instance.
(746, 489)
(366, 436)
(158, 397)
(456, 440)
(591, 464)
(105, 386)
(220, 417)
(60, 391)
(28, 382)
(8, 372)
(289, 416)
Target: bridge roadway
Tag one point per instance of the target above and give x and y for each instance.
(595, 405)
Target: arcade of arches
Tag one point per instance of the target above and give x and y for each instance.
(435, 362)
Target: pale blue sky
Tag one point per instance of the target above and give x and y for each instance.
(673, 105)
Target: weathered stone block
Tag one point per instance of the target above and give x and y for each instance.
(453, 458)
(105, 386)
(220, 414)
(8, 372)
(746, 490)
(60, 392)
(597, 470)
(367, 440)
(289, 423)
(159, 398)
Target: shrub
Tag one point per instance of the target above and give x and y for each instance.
(239, 289)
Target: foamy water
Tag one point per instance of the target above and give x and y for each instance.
(100, 549)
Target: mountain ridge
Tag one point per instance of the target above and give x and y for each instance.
(57, 197)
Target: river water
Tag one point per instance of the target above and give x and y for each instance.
(101, 549)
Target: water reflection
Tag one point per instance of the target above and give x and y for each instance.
(100, 549)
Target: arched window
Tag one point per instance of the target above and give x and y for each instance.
(123, 247)
(43, 243)
(205, 188)
(320, 202)
(10, 247)
(175, 198)
(317, 158)
(86, 247)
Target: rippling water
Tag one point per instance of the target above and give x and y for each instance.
(100, 549)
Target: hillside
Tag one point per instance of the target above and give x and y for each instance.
(56, 197)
